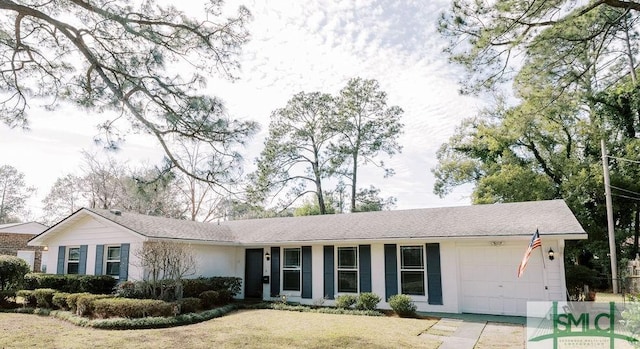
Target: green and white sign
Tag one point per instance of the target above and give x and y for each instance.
(566, 325)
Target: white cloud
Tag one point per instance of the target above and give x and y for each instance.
(303, 46)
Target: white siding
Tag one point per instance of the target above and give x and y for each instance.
(91, 232)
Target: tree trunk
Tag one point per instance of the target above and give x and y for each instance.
(636, 235)
(354, 176)
(323, 209)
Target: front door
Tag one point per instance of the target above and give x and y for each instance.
(253, 273)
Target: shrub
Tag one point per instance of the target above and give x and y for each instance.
(7, 300)
(210, 299)
(133, 289)
(305, 309)
(367, 301)
(64, 283)
(225, 296)
(189, 305)
(631, 316)
(346, 301)
(72, 300)
(194, 287)
(577, 276)
(59, 300)
(96, 284)
(148, 322)
(44, 297)
(131, 308)
(85, 303)
(403, 305)
(29, 299)
(12, 272)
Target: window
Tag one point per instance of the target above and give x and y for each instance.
(73, 260)
(348, 269)
(412, 270)
(291, 269)
(113, 261)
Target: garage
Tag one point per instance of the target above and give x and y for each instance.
(488, 280)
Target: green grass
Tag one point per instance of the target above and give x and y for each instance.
(247, 328)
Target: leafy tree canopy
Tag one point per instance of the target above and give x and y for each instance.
(144, 61)
(14, 194)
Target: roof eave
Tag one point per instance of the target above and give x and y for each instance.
(426, 239)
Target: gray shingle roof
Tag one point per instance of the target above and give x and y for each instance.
(551, 217)
(167, 228)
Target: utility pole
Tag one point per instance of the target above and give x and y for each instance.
(610, 228)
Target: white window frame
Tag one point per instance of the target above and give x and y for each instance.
(347, 269)
(67, 261)
(107, 260)
(402, 268)
(297, 268)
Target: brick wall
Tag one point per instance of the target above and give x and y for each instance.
(11, 243)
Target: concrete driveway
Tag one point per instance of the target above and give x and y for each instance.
(471, 331)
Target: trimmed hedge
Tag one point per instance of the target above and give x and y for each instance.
(7, 300)
(194, 287)
(131, 308)
(189, 305)
(29, 299)
(96, 284)
(59, 300)
(44, 297)
(85, 303)
(144, 323)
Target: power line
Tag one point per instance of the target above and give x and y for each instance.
(625, 190)
(623, 159)
(626, 197)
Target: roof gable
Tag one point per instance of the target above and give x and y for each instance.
(32, 228)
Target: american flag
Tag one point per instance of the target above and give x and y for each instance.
(535, 242)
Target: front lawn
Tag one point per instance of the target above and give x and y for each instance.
(245, 328)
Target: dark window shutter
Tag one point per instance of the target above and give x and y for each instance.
(82, 266)
(275, 271)
(329, 288)
(390, 270)
(434, 274)
(61, 256)
(124, 262)
(99, 259)
(307, 276)
(365, 268)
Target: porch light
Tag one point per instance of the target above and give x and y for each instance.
(551, 254)
(267, 256)
(46, 248)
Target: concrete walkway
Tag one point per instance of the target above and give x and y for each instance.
(477, 331)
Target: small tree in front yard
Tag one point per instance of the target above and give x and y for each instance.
(165, 264)
(12, 272)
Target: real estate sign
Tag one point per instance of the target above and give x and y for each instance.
(567, 325)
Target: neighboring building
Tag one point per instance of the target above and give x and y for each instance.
(14, 238)
(452, 259)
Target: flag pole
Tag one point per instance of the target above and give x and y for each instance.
(544, 265)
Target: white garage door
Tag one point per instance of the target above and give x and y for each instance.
(489, 282)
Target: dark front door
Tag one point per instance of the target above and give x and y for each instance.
(253, 273)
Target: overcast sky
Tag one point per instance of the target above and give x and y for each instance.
(298, 46)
